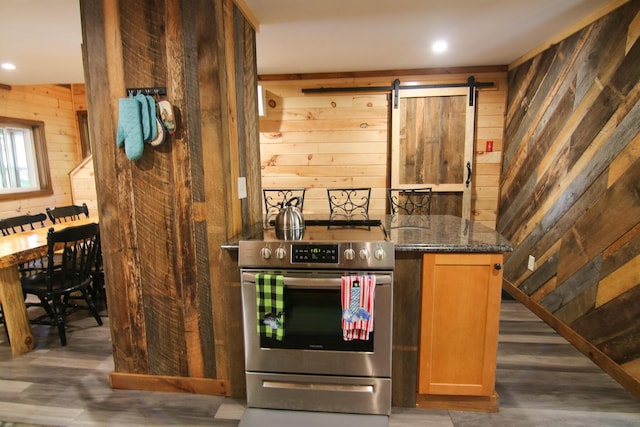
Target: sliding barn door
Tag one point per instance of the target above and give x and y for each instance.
(432, 146)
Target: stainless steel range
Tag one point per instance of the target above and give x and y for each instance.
(317, 318)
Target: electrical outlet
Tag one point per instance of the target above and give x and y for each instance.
(242, 187)
(532, 262)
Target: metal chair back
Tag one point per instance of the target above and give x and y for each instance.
(410, 201)
(275, 198)
(349, 202)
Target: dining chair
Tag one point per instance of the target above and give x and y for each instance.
(67, 213)
(276, 198)
(4, 322)
(78, 246)
(410, 201)
(72, 213)
(21, 223)
(98, 290)
(349, 201)
(16, 224)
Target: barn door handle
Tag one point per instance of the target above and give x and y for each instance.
(468, 174)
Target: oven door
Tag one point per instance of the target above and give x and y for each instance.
(313, 341)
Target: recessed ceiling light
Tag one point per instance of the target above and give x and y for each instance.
(8, 66)
(439, 46)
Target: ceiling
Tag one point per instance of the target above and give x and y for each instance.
(43, 37)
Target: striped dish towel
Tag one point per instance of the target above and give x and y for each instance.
(270, 305)
(358, 297)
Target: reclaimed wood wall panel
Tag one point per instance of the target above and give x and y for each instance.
(53, 105)
(570, 189)
(325, 140)
(172, 291)
(154, 200)
(406, 309)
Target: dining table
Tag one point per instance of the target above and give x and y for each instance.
(16, 249)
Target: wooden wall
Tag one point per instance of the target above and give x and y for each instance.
(570, 189)
(319, 141)
(83, 185)
(82, 176)
(174, 297)
(53, 105)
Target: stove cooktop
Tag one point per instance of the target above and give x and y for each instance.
(323, 243)
(331, 230)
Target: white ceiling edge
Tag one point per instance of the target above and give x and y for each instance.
(43, 38)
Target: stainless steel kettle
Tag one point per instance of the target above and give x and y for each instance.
(290, 222)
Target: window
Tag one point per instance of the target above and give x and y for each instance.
(24, 169)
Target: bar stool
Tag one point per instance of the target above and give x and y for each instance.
(410, 201)
(349, 201)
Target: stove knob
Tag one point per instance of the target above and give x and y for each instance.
(266, 253)
(281, 253)
(364, 254)
(379, 254)
(349, 254)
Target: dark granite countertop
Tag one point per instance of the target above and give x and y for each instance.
(417, 233)
(443, 233)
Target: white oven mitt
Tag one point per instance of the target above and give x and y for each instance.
(161, 134)
(167, 116)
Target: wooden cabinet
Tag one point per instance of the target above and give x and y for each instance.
(460, 309)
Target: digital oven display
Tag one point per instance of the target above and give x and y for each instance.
(325, 254)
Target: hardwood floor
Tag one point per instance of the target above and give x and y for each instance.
(542, 381)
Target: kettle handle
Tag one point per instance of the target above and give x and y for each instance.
(291, 200)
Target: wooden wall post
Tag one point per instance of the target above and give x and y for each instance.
(172, 292)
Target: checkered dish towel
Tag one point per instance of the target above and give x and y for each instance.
(270, 305)
(358, 295)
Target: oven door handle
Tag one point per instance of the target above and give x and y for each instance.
(312, 282)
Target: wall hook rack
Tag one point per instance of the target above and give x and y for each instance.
(158, 91)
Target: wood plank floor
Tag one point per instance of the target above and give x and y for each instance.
(541, 380)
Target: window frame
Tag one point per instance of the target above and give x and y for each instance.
(85, 137)
(41, 159)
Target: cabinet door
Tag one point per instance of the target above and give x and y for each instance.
(459, 324)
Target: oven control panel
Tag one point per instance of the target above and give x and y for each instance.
(324, 254)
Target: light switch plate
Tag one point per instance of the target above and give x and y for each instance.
(242, 187)
(532, 262)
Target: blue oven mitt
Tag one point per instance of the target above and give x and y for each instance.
(130, 127)
(147, 117)
(153, 118)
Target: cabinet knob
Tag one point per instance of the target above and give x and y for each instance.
(498, 266)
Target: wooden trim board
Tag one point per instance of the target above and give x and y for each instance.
(459, 403)
(210, 386)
